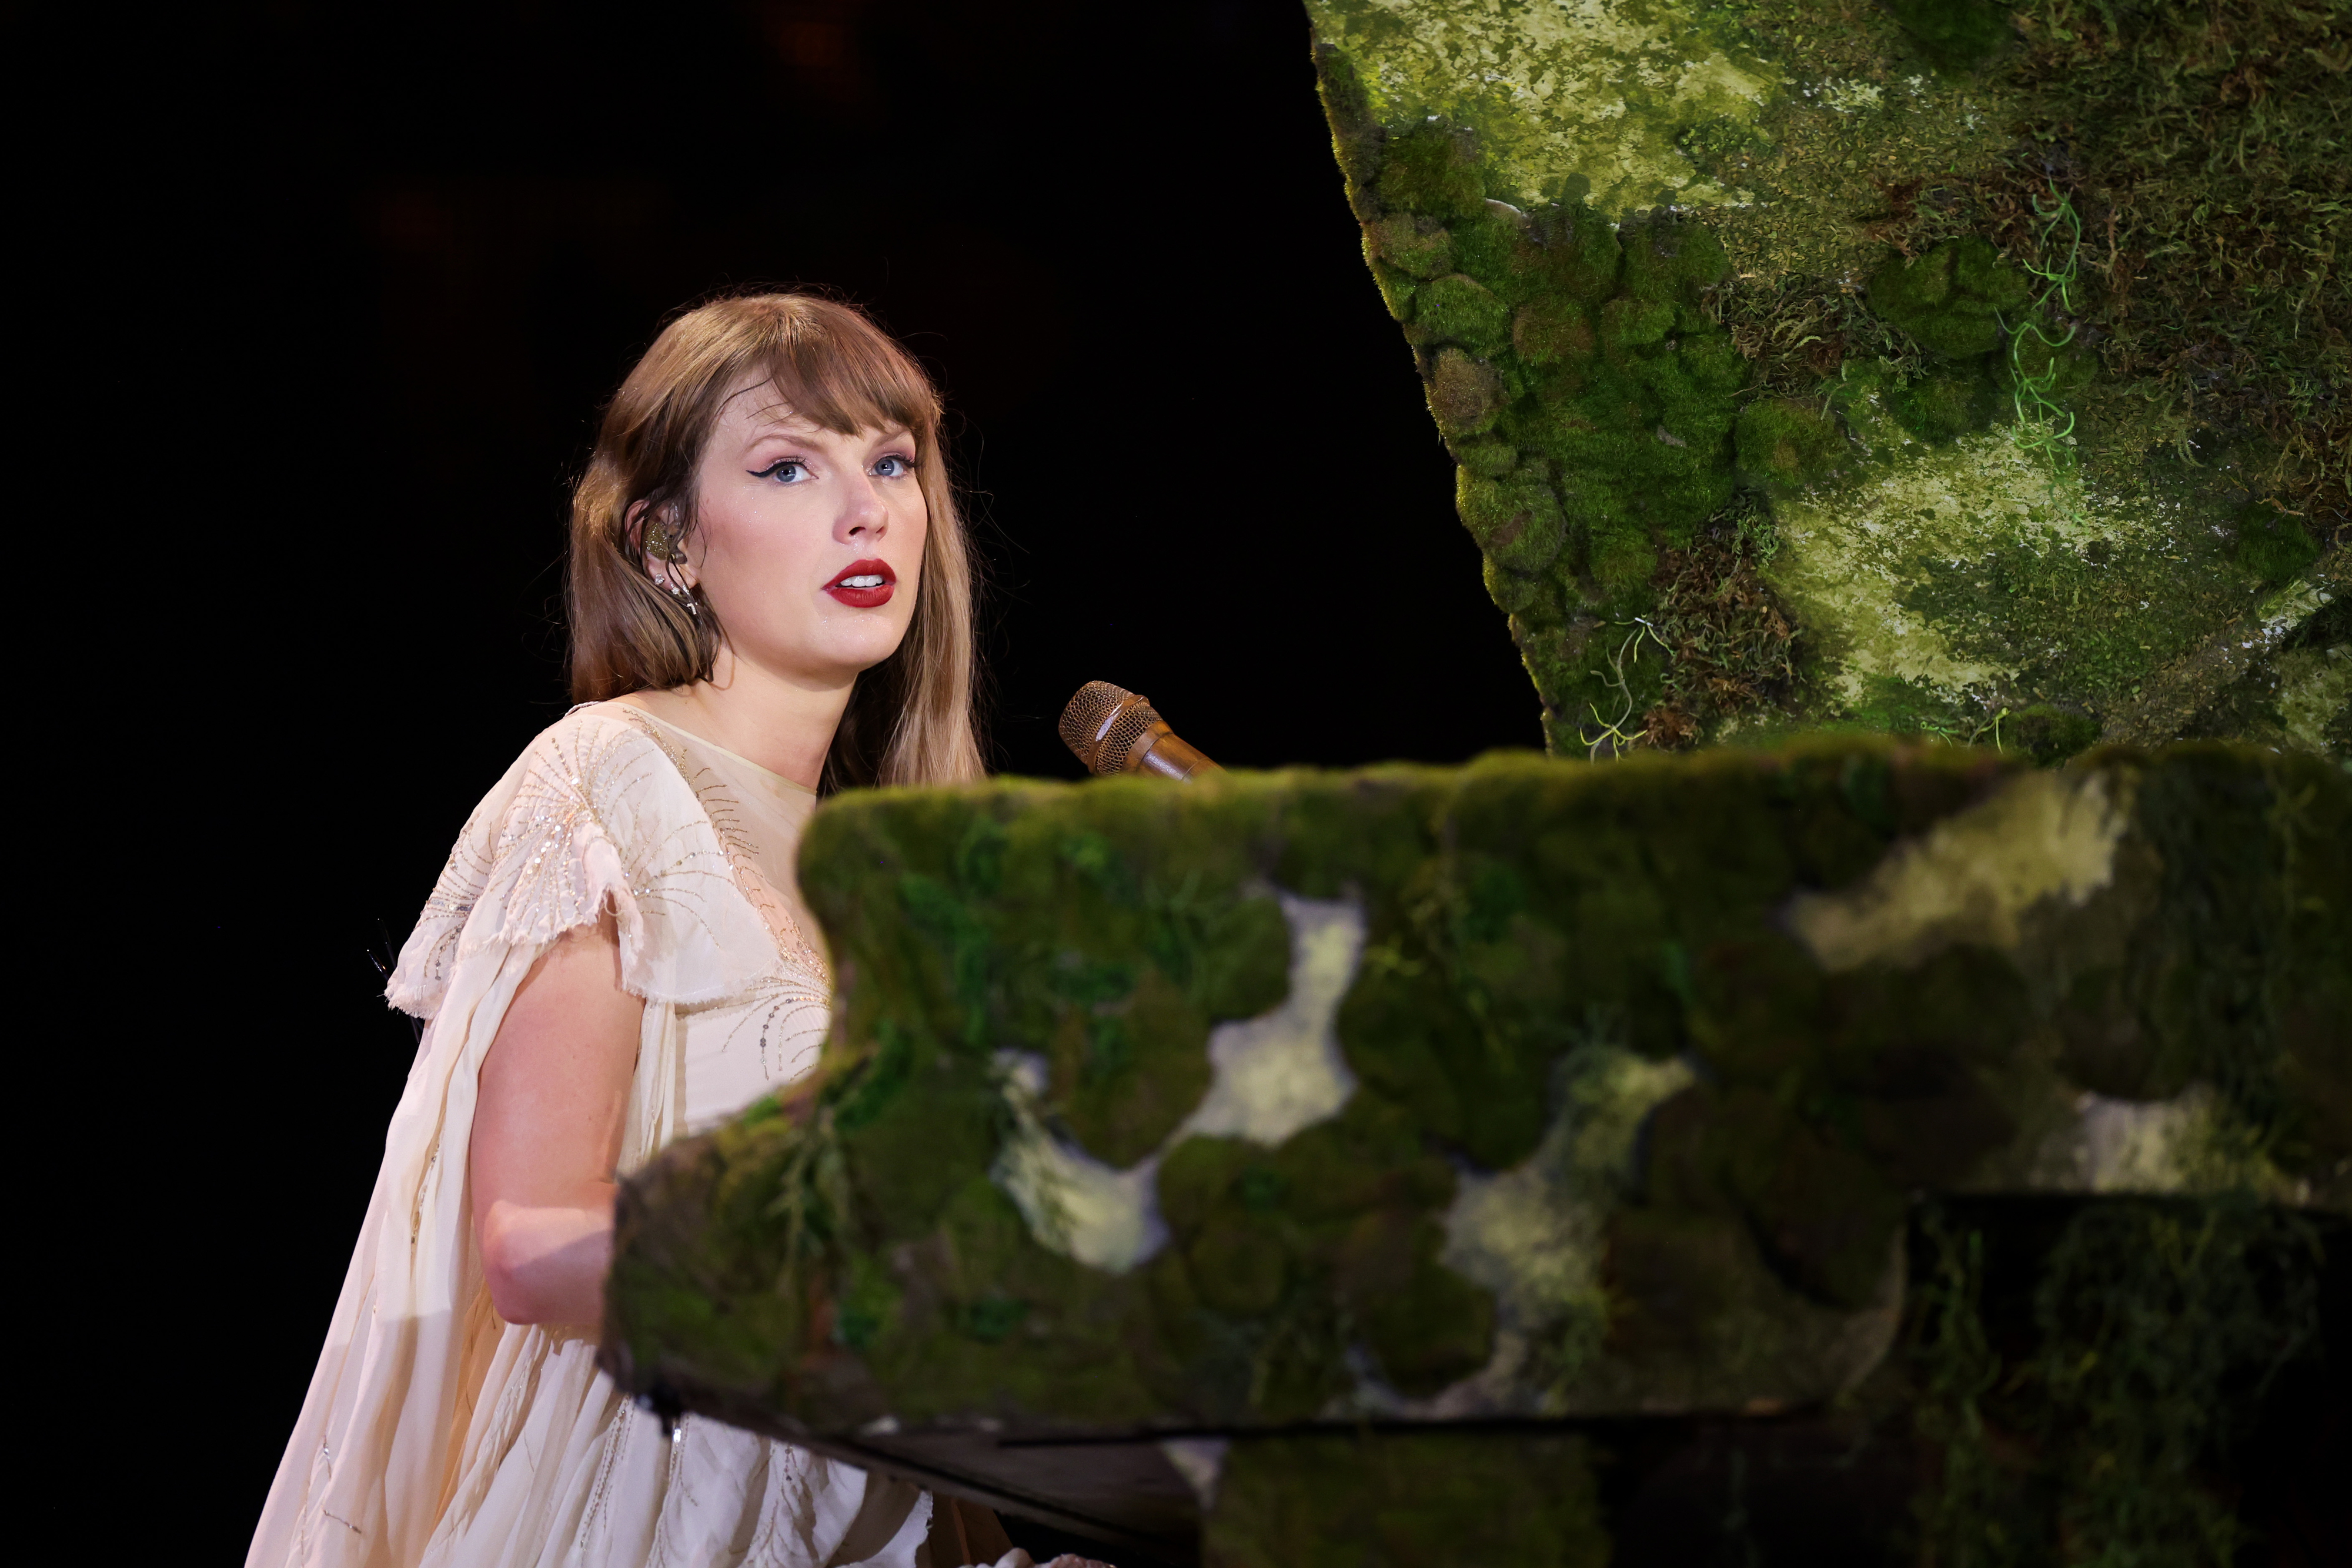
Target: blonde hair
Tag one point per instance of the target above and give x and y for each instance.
(910, 719)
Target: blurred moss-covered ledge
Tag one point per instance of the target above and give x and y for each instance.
(1528, 1091)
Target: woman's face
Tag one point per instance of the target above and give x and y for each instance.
(809, 545)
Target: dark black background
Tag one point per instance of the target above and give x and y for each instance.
(395, 258)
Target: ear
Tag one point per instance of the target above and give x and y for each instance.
(653, 537)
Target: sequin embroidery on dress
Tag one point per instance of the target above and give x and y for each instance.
(795, 1000)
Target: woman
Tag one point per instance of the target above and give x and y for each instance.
(770, 595)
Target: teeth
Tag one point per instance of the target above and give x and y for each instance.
(869, 580)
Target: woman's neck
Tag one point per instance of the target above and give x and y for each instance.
(784, 725)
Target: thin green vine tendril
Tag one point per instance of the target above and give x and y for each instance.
(2039, 413)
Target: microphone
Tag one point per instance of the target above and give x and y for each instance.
(1115, 731)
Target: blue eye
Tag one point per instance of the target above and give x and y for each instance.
(895, 466)
(776, 471)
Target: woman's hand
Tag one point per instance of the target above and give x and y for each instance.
(547, 1131)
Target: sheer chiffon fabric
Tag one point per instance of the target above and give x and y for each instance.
(435, 1435)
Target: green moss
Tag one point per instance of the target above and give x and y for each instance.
(1235, 958)
(1953, 299)
(1431, 169)
(910, 1151)
(1464, 394)
(1125, 1078)
(1997, 609)
(869, 1305)
(1126, 1035)
(1239, 1269)
(1787, 445)
(1459, 308)
(1597, 109)
(2097, 1422)
(1630, 323)
(2273, 547)
(2135, 125)
(2201, 982)
(989, 1321)
(1546, 331)
(1514, 591)
(1957, 34)
(2234, 200)
(1571, 256)
(1398, 291)
(1983, 577)
(1672, 263)
(1939, 407)
(2315, 701)
(1341, 1214)
(1484, 458)
(1822, 1114)
(1377, 1499)
(1515, 519)
(1572, 370)
(1348, 1207)
(2057, 369)
(2050, 735)
(1417, 246)
(1424, 1325)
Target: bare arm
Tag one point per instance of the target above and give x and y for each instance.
(547, 1131)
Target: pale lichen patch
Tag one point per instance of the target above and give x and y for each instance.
(1532, 1234)
(2291, 606)
(1973, 876)
(1567, 95)
(1276, 1074)
(1282, 1072)
(2315, 689)
(1073, 1203)
(1851, 97)
(1847, 558)
(2189, 1144)
(1908, 573)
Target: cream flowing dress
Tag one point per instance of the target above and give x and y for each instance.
(438, 1436)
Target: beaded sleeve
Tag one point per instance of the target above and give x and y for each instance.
(592, 816)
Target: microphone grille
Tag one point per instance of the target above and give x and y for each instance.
(1103, 723)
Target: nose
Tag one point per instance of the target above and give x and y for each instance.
(863, 514)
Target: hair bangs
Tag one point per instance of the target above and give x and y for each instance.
(848, 380)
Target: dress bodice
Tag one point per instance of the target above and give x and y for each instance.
(740, 1047)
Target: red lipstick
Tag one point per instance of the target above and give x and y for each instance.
(863, 584)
